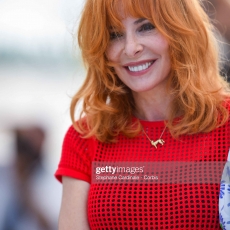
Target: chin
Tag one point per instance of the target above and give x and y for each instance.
(141, 90)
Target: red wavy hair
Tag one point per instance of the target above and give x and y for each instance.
(194, 83)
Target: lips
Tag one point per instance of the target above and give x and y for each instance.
(139, 67)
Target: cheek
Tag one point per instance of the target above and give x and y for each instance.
(112, 52)
(164, 51)
(113, 55)
(162, 44)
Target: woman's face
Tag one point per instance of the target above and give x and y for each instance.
(141, 55)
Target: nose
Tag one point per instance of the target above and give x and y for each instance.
(133, 45)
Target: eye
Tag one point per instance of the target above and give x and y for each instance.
(146, 27)
(115, 35)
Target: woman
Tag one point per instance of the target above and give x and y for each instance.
(152, 74)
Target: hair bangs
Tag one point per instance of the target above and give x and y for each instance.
(117, 10)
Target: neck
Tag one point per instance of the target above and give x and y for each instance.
(152, 107)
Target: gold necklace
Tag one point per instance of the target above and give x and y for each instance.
(158, 141)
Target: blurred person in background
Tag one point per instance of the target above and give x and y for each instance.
(21, 207)
(219, 11)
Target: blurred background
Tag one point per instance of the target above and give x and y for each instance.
(40, 70)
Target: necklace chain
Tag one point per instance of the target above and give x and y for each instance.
(158, 141)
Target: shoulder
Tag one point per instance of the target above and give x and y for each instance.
(76, 156)
(227, 104)
(75, 138)
(72, 137)
(75, 144)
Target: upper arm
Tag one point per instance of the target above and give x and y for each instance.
(73, 214)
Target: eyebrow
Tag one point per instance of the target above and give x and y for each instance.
(139, 20)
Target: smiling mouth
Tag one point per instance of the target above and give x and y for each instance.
(139, 67)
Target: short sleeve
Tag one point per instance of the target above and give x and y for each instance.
(75, 159)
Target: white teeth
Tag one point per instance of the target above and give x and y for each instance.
(139, 67)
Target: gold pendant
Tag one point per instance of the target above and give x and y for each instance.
(159, 141)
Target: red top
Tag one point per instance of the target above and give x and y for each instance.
(148, 205)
